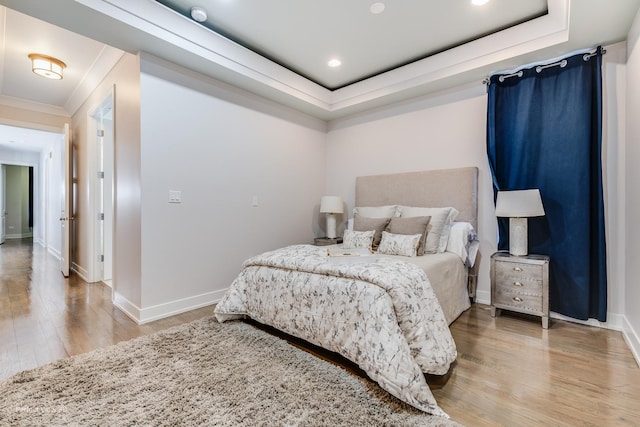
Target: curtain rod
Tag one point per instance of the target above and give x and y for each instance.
(539, 68)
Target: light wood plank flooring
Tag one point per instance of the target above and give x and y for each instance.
(509, 371)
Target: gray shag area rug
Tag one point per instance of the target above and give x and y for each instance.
(201, 373)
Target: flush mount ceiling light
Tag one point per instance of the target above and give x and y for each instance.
(198, 14)
(377, 8)
(47, 66)
(333, 63)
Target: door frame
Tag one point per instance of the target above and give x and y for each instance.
(95, 157)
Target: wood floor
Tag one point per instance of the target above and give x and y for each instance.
(509, 371)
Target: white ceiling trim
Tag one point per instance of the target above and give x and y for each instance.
(24, 104)
(106, 60)
(227, 56)
(527, 37)
(171, 27)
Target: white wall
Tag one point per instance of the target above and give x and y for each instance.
(632, 289)
(440, 132)
(220, 147)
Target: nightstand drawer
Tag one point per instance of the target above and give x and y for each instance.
(523, 284)
(518, 270)
(521, 301)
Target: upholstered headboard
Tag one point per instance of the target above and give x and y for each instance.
(436, 188)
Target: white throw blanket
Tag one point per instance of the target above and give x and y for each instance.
(382, 315)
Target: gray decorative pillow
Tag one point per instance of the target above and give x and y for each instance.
(441, 219)
(363, 223)
(399, 244)
(357, 239)
(413, 225)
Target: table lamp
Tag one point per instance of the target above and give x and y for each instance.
(518, 205)
(331, 205)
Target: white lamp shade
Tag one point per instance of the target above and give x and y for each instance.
(331, 204)
(519, 204)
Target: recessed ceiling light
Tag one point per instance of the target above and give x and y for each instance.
(377, 8)
(198, 14)
(333, 63)
(479, 2)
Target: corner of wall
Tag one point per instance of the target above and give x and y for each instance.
(634, 35)
(632, 339)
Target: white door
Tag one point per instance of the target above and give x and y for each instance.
(65, 217)
(3, 192)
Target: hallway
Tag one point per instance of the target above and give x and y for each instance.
(45, 317)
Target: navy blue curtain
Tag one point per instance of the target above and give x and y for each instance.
(544, 130)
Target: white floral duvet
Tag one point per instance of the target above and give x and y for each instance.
(382, 315)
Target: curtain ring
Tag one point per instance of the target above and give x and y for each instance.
(563, 63)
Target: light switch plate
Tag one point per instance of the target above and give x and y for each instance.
(175, 196)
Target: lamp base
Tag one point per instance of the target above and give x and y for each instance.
(331, 226)
(518, 236)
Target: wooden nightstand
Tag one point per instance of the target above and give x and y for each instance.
(520, 283)
(325, 241)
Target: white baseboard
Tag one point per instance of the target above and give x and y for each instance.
(483, 297)
(632, 340)
(127, 307)
(615, 321)
(56, 253)
(82, 272)
(18, 236)
(160, 311)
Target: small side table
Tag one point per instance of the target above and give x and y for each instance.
(325, 241)
(520, 283)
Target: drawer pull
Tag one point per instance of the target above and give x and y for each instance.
(517, 299)
(517, 269)
(518, 284)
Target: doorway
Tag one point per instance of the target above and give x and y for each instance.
(17, 202)
(32, 157)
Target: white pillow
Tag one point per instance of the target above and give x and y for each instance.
(463, 241)
(388, 211)
(357, 239)
(439, 226)
(399, 244)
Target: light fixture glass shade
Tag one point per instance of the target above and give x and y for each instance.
(519, 204)
(331, 204)
(47, 66)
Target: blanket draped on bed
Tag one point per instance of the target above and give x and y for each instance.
(382, 315)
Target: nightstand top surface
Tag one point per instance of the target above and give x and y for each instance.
(507, 255)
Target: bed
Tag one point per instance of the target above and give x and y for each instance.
(389, 314)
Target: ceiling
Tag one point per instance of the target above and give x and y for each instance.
(279, 49)
(367, 43)
(20, 139)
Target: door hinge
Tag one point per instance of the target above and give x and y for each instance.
(101, 216)
(100, 132)
(101, 175)
(101, 258)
